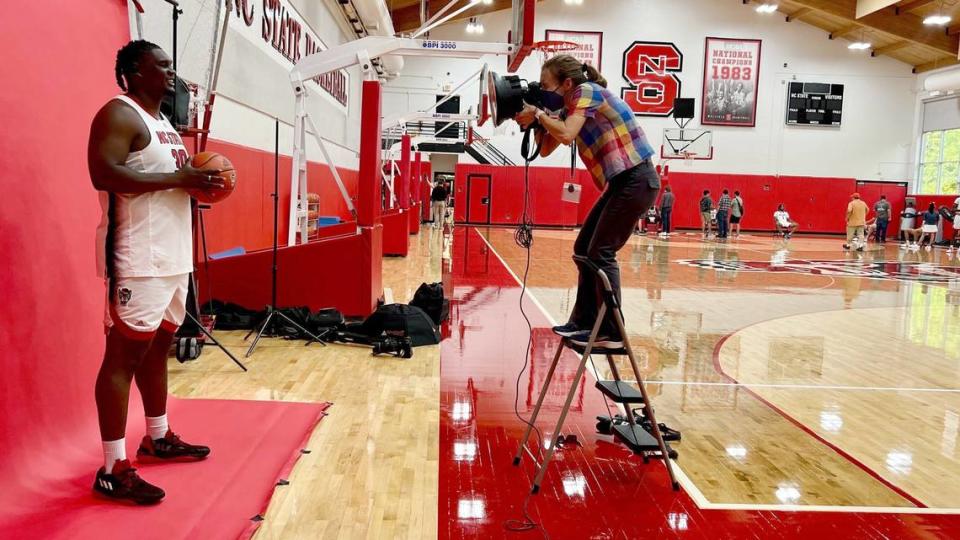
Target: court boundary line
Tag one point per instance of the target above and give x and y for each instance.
(690, 486)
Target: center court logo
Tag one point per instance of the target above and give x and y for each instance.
(901, 271)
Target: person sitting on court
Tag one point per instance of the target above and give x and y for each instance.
(856, 222)
(706, 214)
(618, 155)
(145, 253)
(785, 225)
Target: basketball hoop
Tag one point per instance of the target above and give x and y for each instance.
(551, 48)
(688, 158)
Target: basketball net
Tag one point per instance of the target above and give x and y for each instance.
(688, 158)
(550, 48)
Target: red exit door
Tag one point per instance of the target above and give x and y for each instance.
(478, 199)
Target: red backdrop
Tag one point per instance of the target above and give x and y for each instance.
(59, 73)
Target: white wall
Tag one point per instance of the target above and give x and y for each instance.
(254, 85)
(876, 139)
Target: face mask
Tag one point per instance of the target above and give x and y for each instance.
(552, 101)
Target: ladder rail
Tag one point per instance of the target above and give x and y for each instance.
(610, 303)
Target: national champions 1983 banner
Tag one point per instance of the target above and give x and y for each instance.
(731, 75)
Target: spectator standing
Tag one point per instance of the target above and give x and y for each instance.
(736, 213)
(666, 210)
(438, 198)
(706, 213)
(882, 210)
(723, 214)
(856, 221)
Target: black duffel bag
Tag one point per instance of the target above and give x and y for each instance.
(429, 298)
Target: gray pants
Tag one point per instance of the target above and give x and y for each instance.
(607, 228)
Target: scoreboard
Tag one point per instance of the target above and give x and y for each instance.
(815, 104)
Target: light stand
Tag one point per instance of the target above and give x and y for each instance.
(267, 326)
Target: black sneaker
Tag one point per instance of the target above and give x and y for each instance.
(582, 337)
(566, 330)
(170, 448)
(124, 484)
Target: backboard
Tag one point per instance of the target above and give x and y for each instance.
(521, 33)
(687, 144)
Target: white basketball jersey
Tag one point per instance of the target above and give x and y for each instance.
(152, 231)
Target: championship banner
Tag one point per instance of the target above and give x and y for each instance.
(731, 76)
(590, 45)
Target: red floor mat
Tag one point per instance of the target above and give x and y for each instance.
(253, 444)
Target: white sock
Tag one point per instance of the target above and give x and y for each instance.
(156, 426)
(112, 451)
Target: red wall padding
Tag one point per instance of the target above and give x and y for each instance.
(396, 232)
(322, 273)
(51, 324)
(818, 204)
(245, 219)
(507, 190)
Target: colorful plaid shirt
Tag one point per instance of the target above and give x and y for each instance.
(611, 140)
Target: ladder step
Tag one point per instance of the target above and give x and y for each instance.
(620, 391)
(635, 437)
(579, 348)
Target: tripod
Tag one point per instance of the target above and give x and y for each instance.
(267, 325)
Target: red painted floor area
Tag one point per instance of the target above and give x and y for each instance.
(598, 491)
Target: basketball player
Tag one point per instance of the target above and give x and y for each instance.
(140, 167)
(615, 150)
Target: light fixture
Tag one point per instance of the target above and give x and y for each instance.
(488, 2)
(938, 18)
(573, 2)
(767, 8)
(860, 45)
(474, 26)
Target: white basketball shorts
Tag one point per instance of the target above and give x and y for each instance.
(141, 305)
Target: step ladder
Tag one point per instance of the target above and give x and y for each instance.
(633, 435)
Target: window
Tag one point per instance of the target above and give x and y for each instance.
(939, 163)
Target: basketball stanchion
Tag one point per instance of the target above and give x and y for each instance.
(267, 327)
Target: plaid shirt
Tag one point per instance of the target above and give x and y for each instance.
(723, 205)
(611, 140)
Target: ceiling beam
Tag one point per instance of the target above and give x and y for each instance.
(890, 48)
(936, 64)
(905, 7)
(407, 18)
(846, 30)
(798, 13)
(906, 26)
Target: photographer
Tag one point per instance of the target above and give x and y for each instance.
(616, 152)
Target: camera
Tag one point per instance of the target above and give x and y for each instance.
(401, 347)
(508, 94)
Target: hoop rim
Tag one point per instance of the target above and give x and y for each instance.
(555, 45)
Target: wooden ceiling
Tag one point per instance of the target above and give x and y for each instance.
(406, 13)
(896, 31)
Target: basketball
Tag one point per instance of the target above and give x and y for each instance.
(214, 161)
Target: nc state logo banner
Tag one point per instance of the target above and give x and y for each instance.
(651, 68)
(731, 74)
